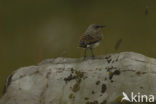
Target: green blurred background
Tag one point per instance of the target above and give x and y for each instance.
(33, 30)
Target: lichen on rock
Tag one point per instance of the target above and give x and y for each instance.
(77, 81)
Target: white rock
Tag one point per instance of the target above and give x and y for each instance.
(74, 81)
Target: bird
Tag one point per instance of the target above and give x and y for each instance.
(91, 38)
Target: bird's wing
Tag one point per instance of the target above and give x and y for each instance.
(88, 39)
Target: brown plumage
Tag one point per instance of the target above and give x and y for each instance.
(91, 38)
(88, 40)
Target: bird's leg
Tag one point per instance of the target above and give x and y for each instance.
(85, 53)
(91, 50)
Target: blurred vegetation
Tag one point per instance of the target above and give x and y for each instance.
(33, 30)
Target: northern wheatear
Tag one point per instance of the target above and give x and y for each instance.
(91, 38)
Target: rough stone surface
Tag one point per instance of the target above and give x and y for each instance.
(77, 81)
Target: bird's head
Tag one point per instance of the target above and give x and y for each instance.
(95, 28)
